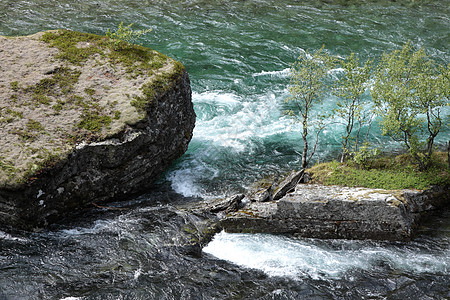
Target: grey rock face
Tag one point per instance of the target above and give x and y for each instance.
(340, 212)
(288, 184)
(112, 168)
(262, 195)
(228, 205)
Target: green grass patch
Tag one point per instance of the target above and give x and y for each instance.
(389, 173)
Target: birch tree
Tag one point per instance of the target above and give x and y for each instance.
(308, 87)
(410, 91)
(350, 106)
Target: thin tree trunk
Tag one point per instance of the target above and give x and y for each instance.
(357, 136)
(343, 155)
(430, 147)
(349, 129)
(315, 144)
(305, 144)
(448, 154)
(344, 149)
(368, 127)
(433, 133)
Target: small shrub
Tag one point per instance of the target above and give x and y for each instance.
(364, 156)
(124, 35)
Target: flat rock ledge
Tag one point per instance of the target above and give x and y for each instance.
(82, 122)
(335, 212)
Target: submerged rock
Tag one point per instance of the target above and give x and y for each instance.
(339, 212)
(82, 122)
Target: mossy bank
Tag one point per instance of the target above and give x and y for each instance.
(385, 172)
(81, 121)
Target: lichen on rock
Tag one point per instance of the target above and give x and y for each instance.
(65, 93)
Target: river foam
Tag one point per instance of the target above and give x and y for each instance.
(316, 259)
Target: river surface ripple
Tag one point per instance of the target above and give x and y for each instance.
(238, 55)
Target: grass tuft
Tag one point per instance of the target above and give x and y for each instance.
(391, 173)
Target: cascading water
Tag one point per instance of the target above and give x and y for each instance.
(238, 55)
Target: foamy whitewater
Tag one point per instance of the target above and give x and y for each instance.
(238, 55)
(312, 258)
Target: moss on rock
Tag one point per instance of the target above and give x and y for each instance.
(60, 88)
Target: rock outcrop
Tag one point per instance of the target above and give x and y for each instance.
(319, 211)
(82, 122)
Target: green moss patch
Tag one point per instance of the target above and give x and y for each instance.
(14, 86)
(60, 84)
(391, 173)
(138, 60)
(93, 121)
(7, 166)
(31, 130)
(8, 115)
(75, 47)
(161, 84)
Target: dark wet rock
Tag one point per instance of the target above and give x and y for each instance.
(306, 178)
(431, 199)
(261, 191)
(253, 218)
(262, 195)
(228, 205)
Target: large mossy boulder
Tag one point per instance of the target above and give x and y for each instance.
(82, 122)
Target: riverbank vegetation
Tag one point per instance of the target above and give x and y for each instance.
(387, 172)
(406, 92)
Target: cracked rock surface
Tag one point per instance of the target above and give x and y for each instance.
(318, 211)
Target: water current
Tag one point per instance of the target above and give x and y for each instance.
(238, 55)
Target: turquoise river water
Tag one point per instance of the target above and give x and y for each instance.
(238, 55)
